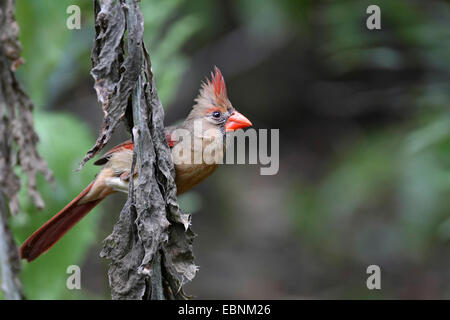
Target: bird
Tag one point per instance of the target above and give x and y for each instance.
(210, 120)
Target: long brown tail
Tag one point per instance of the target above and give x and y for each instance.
(47, 235)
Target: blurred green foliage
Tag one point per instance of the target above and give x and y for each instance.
(385, 197)
(54, 55)
(165, 42)
(407, 171)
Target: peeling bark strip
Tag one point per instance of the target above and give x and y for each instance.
(9, 257)
(18, 140)
(150, 247)
(18, 146)
(112, 84)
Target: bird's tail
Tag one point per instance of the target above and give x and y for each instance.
(47, 235)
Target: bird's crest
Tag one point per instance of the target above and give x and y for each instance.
(213, 93)
(217, 83)
(215, 87)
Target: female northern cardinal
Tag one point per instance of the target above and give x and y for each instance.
(212, 110)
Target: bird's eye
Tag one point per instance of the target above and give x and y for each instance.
(216, 114)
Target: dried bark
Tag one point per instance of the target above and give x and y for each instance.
(18, 140)
(18, 147)
(9, 257)
(150, 247)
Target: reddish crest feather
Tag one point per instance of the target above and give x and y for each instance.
(218, 83)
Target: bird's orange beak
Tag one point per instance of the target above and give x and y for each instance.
(237, 121)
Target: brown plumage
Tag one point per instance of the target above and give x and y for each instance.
(212, 112)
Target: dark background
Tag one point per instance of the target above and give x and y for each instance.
(364, 145)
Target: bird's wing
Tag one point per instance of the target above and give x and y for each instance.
(129, 145)
(168, 131)
(104, 159)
